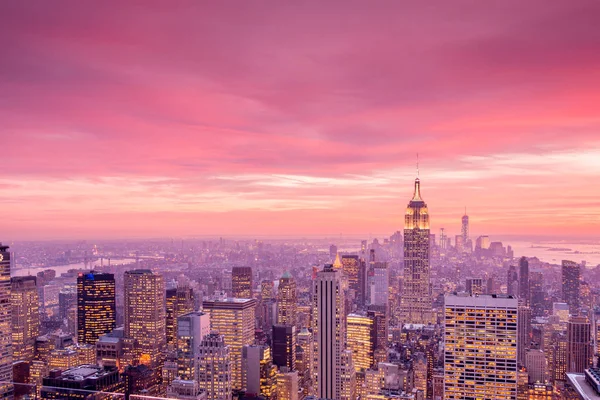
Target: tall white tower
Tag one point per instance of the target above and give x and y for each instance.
(329, 332)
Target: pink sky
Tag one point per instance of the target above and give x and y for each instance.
(270, 117)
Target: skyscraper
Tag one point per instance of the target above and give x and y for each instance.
(524, 291)
(379, 284)
(96, 307)
(480, 340)
(191, 328)
(360, 339)
(259, 374)
(214, 367)
(538, 296)
(329, 331)
(579, 344)
(347, 377)
(570, 285)
(179, 301)
(287, 300)
(351, 267)
(145, 316)
(284, 346)
(512, 281)
(5, 324)
(241, 282)
(25, 317)
(234, 318)
(523, 332)
(416, 296)
(305, 360)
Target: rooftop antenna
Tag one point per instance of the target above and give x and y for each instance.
(417, 165)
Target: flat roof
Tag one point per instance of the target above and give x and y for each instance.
(582, 387)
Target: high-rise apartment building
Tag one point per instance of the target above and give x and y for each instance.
(360, 339)
(287, 300)
(524, 290)
(416, 302)
(579, 344)
(179, 301)
(570, 285)
(234, 318)
(259, 374)
(214, 367)
(284, 346)
(145, 315)
(241, 282)
(329, 331)
(523, 333)
(25, 317)
(6, 359)
(191, 328)
(96, 306)
(480, 340)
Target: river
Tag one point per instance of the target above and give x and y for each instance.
(65, 268)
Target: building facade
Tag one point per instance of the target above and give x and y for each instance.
(480, 347)
(96, 306)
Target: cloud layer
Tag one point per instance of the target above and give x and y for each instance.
(154, 118)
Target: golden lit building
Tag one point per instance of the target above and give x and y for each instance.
(352, 269)
(241, 282)
(179, 301)
(145, 318)
(234, 318)
(416, 301)
(63, 359)
(480, 340)
(25, 306)
(6, 367)
(287, 301)
(360, 332)
(214, 367)
(96, 307)
(420, 371)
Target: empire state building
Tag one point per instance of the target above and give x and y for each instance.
(416, 292)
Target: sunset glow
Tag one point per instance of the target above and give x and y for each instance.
(144, 119)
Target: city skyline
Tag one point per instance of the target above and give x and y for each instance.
(154, 124)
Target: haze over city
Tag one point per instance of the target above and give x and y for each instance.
(239, 118)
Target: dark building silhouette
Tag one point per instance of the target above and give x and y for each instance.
(96, 309)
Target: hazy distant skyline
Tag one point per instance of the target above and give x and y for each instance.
(266, 118)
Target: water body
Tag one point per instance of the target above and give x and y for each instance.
(555, 251)
(65, 268)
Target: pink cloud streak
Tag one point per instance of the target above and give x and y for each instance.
(271, 118)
